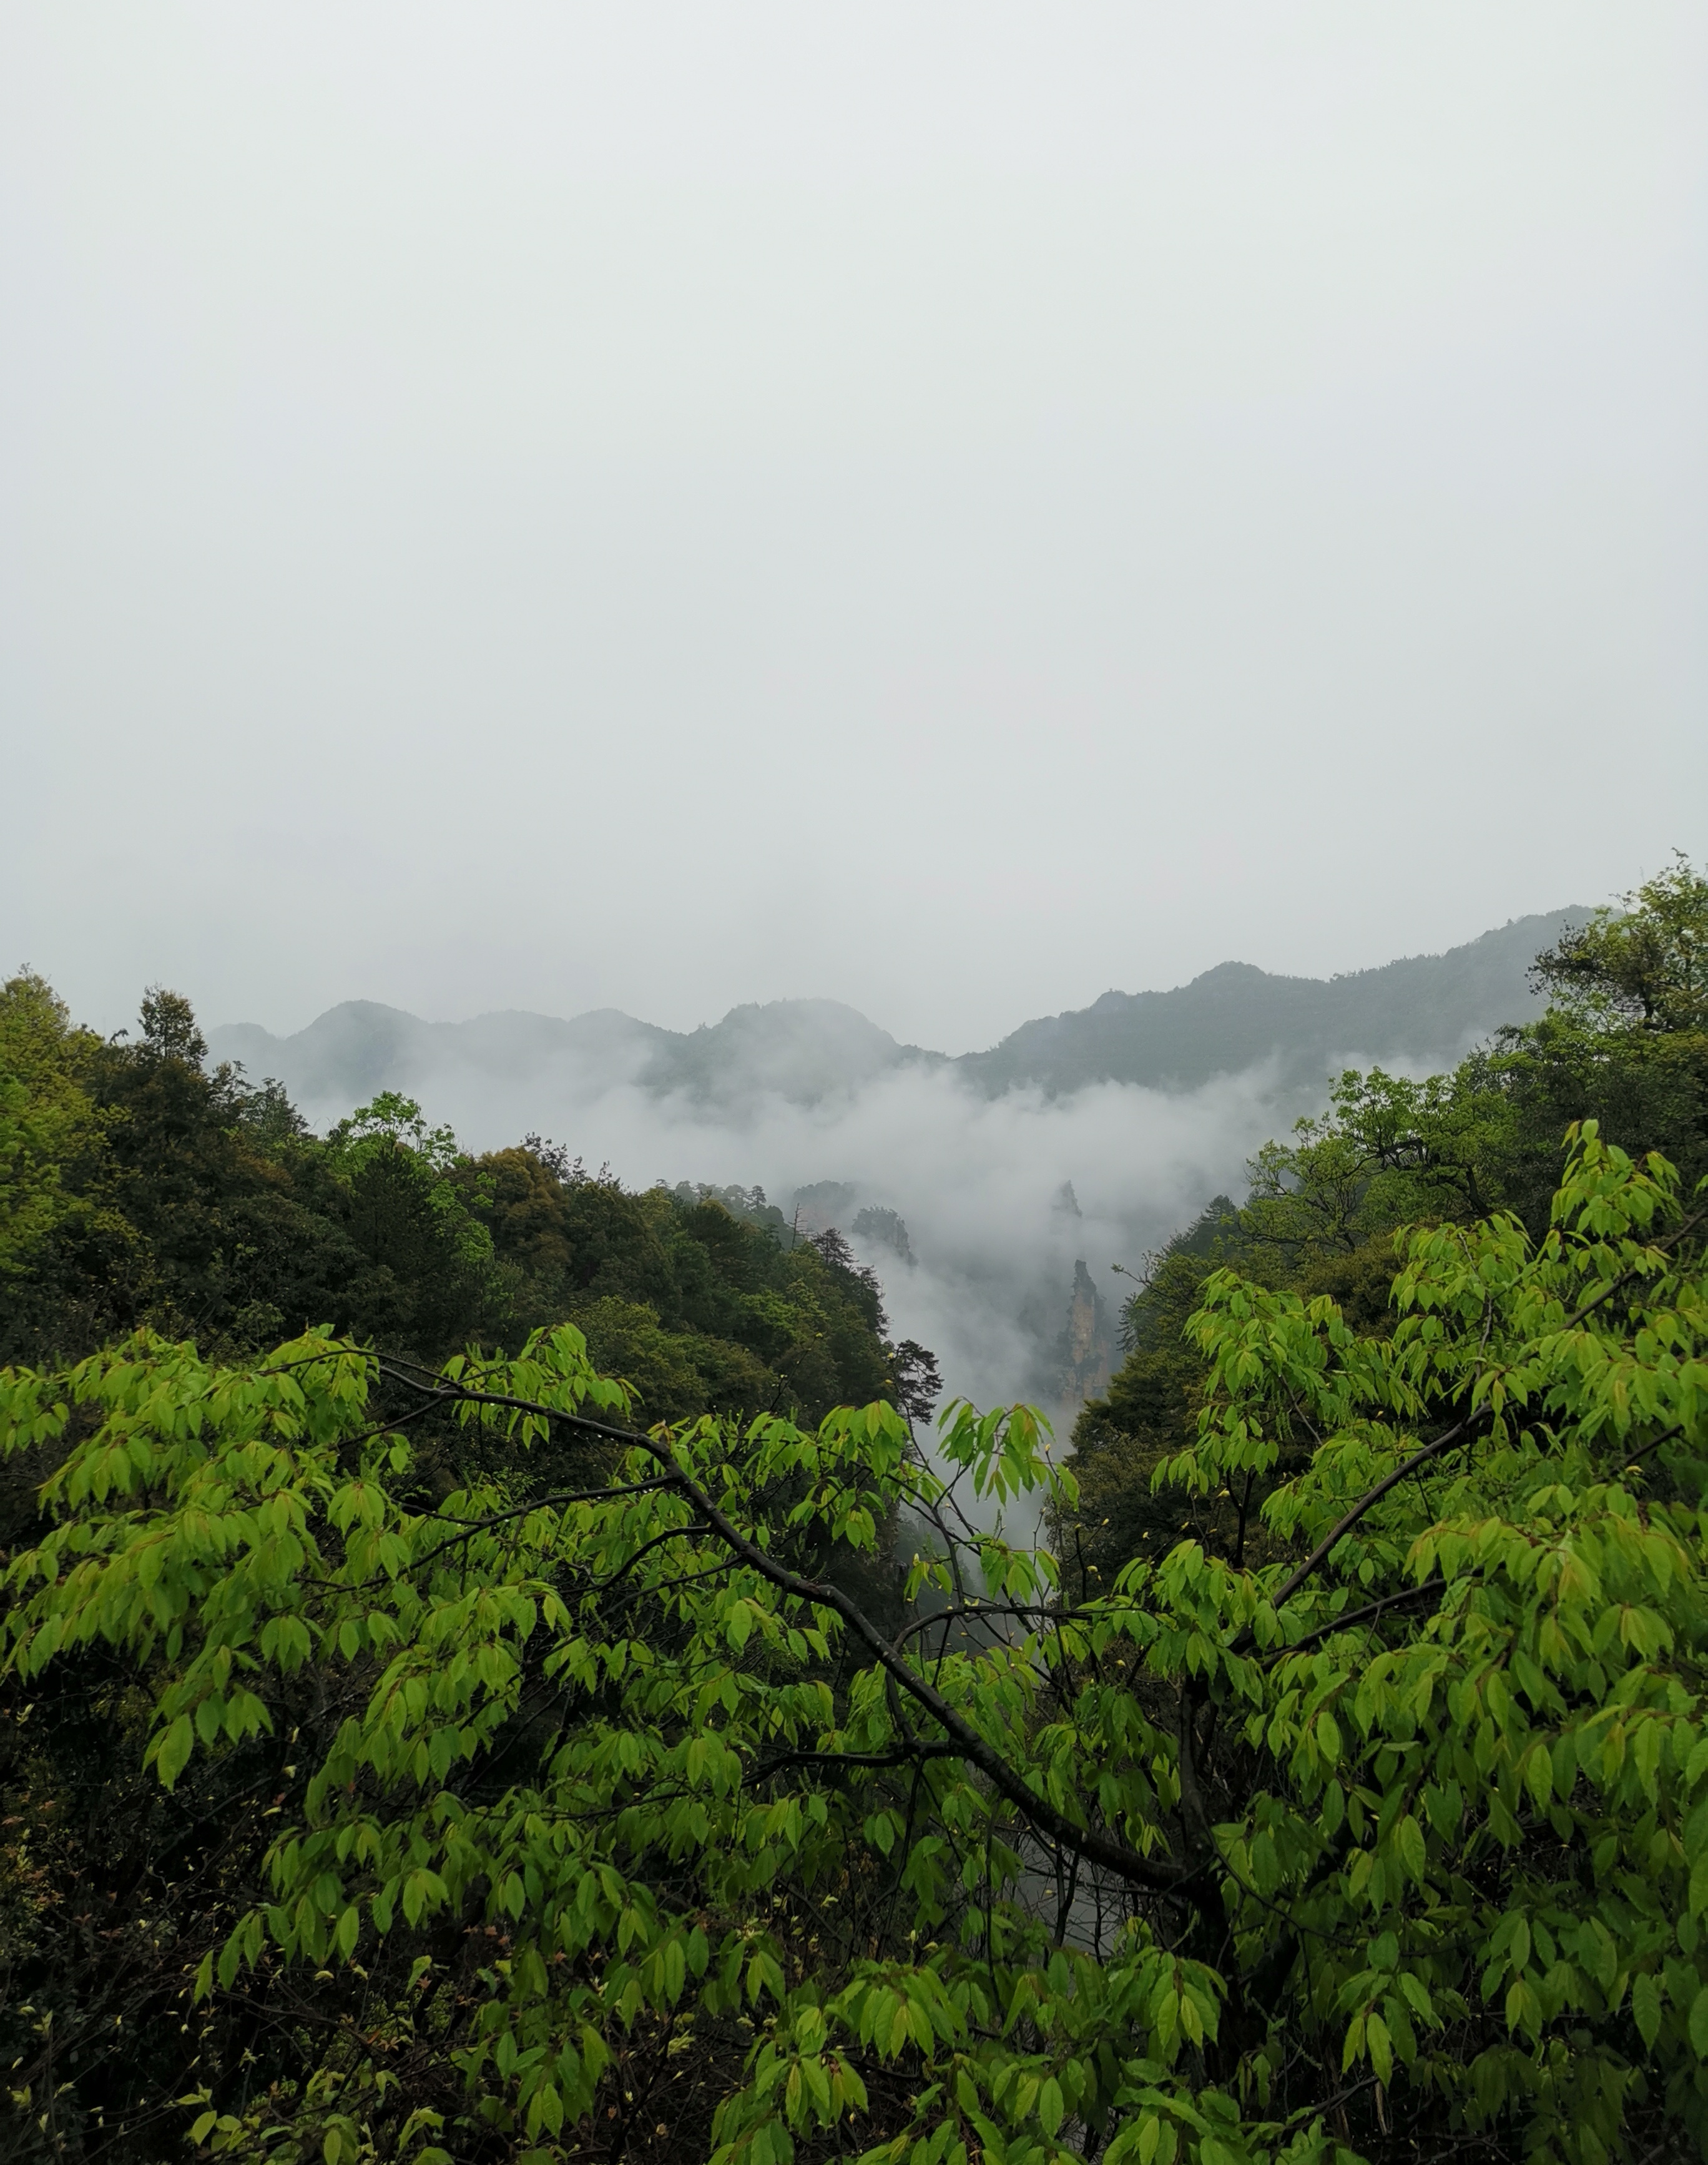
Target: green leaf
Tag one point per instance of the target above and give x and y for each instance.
(174, 1754)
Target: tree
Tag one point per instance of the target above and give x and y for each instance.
(1389, 1150)
(169, 1030)
(1621, 1043)
(410, 1215)
(46, 1118)
(701, 1297)
(1646, 964)
(603, 1804)
(917, 1380)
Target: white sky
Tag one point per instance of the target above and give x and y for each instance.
(950, 508)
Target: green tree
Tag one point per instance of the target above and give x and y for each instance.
(1646, 964)
(47, 1120)
(162, 1193)
(409, 1215)
(1622, 1044)
(1146, 1415)
(1388, 1150)
(601, 1804)
(701, 1298)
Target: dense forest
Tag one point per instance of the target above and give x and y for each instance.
(500, 1667)
(145, 1191)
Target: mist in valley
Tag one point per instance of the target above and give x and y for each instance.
(998, 1198)
(994, 1195)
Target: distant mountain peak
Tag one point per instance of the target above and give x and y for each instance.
(1420, 1009)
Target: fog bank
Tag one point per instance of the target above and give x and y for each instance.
(1001, 1197)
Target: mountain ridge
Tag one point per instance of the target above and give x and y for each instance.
(1417, 1009)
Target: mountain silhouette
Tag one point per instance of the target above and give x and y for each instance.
(1423, 1010)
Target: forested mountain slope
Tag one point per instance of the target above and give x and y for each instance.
(141, 1187)
(1425, 1008)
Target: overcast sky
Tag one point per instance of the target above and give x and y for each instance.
(948, 507)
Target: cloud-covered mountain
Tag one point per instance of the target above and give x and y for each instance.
(992, 1192)
(1422, 1011)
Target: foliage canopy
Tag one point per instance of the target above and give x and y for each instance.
(1403, 1830)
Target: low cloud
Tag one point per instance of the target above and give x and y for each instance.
(1001, 1197)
